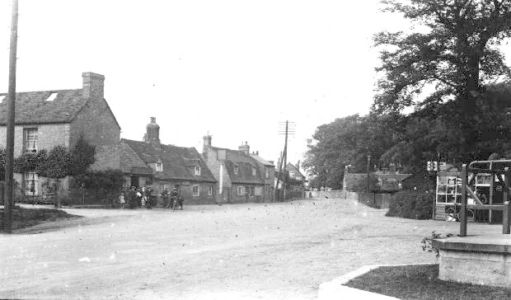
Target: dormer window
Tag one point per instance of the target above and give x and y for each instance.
(197, 170)
(158, 166)
(236, 170)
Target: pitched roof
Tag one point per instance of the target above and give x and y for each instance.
(178, 162)
(262, 160)
(245, 163)
(33, 107)
(290, 167)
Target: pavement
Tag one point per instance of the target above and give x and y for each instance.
(242, 251)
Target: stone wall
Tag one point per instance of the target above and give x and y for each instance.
(376, 200)
(48, 136)
(96, 123)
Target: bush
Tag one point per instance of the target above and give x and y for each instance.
(412, 205)
(98, 186)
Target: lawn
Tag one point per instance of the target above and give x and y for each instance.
(421, 282)
(25, 217)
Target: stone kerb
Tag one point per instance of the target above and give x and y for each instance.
(483, 260)
(336, 288)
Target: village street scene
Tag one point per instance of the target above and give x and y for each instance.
(271, 150)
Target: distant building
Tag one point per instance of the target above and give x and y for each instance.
(295, 182)
(151, 163)
(45, 119)
(241, 176)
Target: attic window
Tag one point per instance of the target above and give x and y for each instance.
(254, 172)
(159, 166)
(197, 170)
(236, 170)
(51, 97)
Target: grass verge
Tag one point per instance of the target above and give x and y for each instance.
(421, 282)
(26, 217)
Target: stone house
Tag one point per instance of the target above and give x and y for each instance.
(295, 187)
(151, 163)
(241, 177)
(45, 119)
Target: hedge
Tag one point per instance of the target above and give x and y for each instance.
(412, 205)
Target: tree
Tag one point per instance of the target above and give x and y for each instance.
(81, 157)
(347, 141)
(56, 166)
(457, 53)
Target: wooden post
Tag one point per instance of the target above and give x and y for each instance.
(9, 149)
(490, 200)
(463, 211)
(506, 213)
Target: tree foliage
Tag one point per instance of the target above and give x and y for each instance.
(57, 164)
(346, 142)
(30, 161)
(101, 183)
(408, 141)
(81, 157)
(456, 53)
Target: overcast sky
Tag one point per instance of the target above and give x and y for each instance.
(235, 69)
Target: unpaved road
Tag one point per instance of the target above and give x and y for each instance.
(245, 251)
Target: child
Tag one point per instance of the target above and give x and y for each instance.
(122, 201)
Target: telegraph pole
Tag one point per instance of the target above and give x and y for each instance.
(283, 160)
(9, 160)
(367, 170)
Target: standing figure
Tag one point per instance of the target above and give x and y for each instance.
(174, 195)
(122, 199)
(139, 197)
(132, 198)
(165, 196)
(147, 195)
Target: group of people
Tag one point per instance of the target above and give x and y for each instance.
(172, 199)
(134, 197)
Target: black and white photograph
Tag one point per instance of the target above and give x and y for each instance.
(236, 149)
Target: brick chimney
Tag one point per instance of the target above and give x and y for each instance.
(93, 85)
(152, 132)
(206, 144)
(245, 148)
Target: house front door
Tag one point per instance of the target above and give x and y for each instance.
(135, 181)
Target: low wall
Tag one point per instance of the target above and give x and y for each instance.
(376, 200)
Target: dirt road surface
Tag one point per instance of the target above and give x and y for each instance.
(244, 251)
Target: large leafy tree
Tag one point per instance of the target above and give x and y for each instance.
(457, 52)
(444, 67)
(347, 141)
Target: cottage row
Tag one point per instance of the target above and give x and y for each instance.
(46, 119)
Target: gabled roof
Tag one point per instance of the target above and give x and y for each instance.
(262, 160)
(32, 107)
(244, 163)
(178, 162)
(290, 167)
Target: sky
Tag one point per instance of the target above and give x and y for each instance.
(235, 69)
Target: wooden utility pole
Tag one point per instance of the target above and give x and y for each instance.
(368, 175)
(9, 160)
(284, 158)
